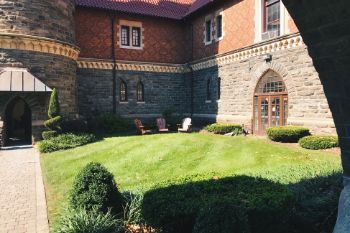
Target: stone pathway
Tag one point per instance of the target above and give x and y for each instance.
(22, 194)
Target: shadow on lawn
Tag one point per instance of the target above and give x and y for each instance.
(244, 204)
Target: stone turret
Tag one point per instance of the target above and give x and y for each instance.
(38, 35)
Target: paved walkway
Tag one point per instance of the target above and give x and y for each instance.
(22, 195)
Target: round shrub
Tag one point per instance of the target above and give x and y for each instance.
(82, 221)
(287, 133)
(53, 123)
(49, 134)
(319, 142)
(95, 188)
(222, 218)
(219, 128)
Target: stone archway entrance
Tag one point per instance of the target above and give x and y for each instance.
(18, 123)
(270, 103)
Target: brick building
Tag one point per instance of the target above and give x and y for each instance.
(240, 61)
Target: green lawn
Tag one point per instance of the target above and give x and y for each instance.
(139, 162)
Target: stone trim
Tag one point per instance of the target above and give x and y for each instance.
(86, 63)
(280, 43)
(38, 44)
(277, 44)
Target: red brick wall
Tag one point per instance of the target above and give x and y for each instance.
(238, 28)
(164, 40)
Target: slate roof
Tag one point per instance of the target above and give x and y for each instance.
(173, 9)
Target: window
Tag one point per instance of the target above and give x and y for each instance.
(125, 36)
(208, 90)
(219, 89)
(219, 31)
(136, 37)
(123, 92)
(130, 34)
(140, 92)
(270, 84)
(272, 17)
(208, 32)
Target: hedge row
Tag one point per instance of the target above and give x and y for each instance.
(287, 133)
(219, 128)
(319, 142)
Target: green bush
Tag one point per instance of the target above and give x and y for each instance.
(176, 207)
(222, 218)
(74, 126)
(287, 133)
(54, 123)
(49, 134)
(172, 119)
(109, 123)
(132, 209)
(64, 142)
(319, 142)
(219, 128)
(82, 221)
(54, 105)
(94, 188)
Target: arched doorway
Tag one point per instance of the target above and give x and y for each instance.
(18, 123)
(270, 102)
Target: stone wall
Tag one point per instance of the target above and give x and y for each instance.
(308, 105)
(162, 91)
(45, 18)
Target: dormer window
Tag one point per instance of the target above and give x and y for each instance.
(130, 35)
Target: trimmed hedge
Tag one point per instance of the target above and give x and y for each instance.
(53, 123)
(219, 128)
(54, 105)
(319, 142)
(94, 188)
(64, 142)
(49, 134)
(176, 208)
(287, 133)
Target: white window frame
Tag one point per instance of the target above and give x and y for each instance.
(131, 24)
(259, 20)
(208, 18)
(219, 13)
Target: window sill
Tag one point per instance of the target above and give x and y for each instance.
(131, 47)
(208, 101)
(208, 43)
(140, 102)
(219, 39)
(123, 102)
(218, 101)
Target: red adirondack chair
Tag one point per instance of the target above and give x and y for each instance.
(161, 124)
(140, 128)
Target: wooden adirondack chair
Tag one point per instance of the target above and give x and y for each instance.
(140, 128)
(185, 127)
(161, 124)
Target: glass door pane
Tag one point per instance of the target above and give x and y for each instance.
(264, 113)
(275, 111)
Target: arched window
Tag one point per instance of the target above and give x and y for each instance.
(140, 92)
(219, 88)
(123, 92)
(270, 102)
(208, 90)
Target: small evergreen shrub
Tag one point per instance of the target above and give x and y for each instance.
(219, 128)
(92, 221)
(53, 123)
(94, 188)
(222, 218)
(319, 142)
(54, 106)
(49, 134)
(74, 126)
(64, 142)
(109, 123)
(287, 133)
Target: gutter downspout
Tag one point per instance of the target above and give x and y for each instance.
(114, 92)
